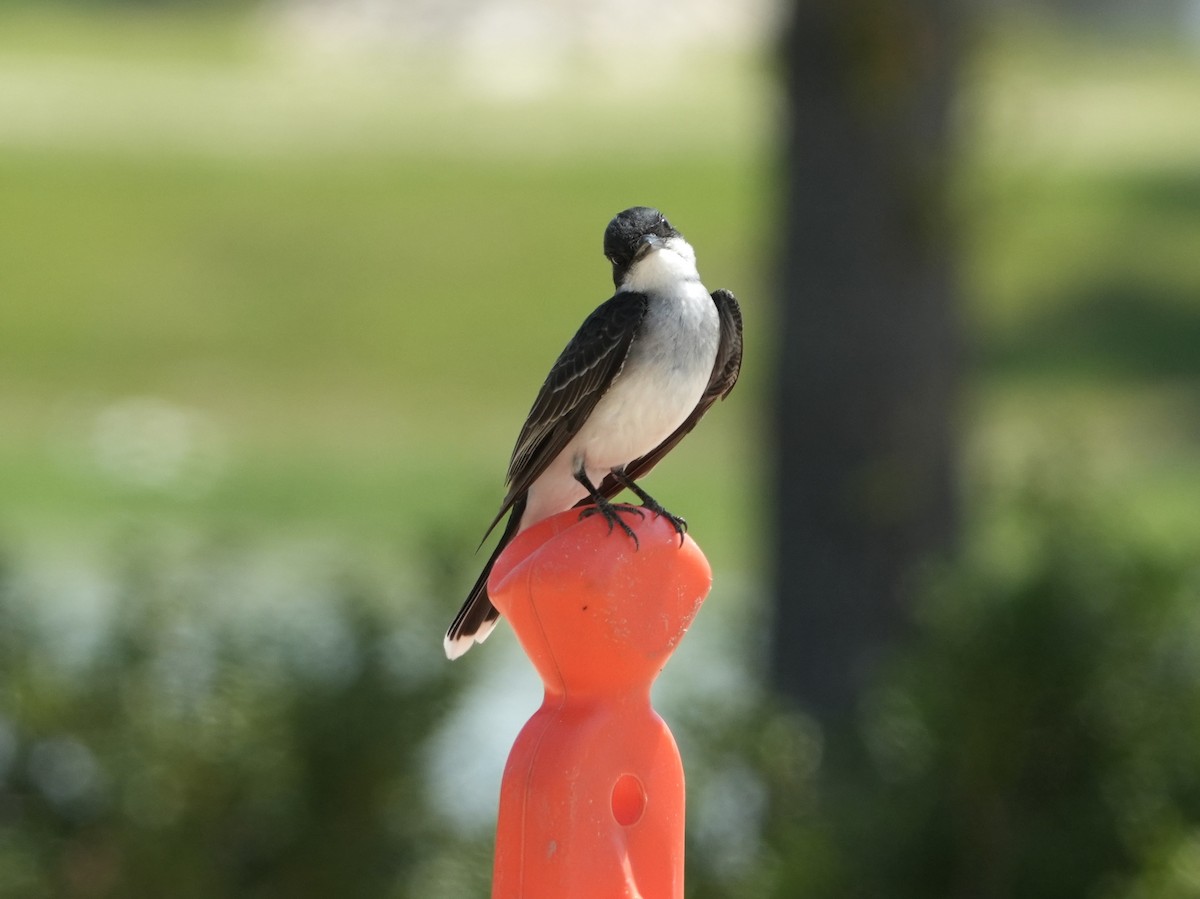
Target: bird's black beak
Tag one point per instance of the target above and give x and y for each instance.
(647, 244)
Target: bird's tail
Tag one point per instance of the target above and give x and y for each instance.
(477, 617)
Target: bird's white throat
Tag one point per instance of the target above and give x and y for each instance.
(663, 268)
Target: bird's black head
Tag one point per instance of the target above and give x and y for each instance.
(631, 234)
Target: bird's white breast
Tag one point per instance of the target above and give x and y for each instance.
(667, 370)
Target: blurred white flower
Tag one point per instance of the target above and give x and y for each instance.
(65, 771)
(150, 443)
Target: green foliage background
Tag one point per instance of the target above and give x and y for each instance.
(268, 322)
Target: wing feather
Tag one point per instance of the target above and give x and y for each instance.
(577, 381)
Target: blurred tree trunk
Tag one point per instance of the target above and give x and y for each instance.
(865, 469)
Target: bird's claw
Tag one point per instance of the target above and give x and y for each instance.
(677, 521)
(612, 515)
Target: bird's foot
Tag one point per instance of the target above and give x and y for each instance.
(677, 521)
(649, 502)
(611, 513)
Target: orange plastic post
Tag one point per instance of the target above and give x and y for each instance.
(592, 801)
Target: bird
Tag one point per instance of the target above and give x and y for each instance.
(639, 374)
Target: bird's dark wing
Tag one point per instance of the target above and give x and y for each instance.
(582, 374)
(724, 375)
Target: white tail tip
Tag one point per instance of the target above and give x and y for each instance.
(457, 646)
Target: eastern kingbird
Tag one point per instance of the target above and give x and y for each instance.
(638, 375)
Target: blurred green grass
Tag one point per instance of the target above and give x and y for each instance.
(357, 273)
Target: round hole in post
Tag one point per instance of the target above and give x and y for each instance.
(628, 800)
